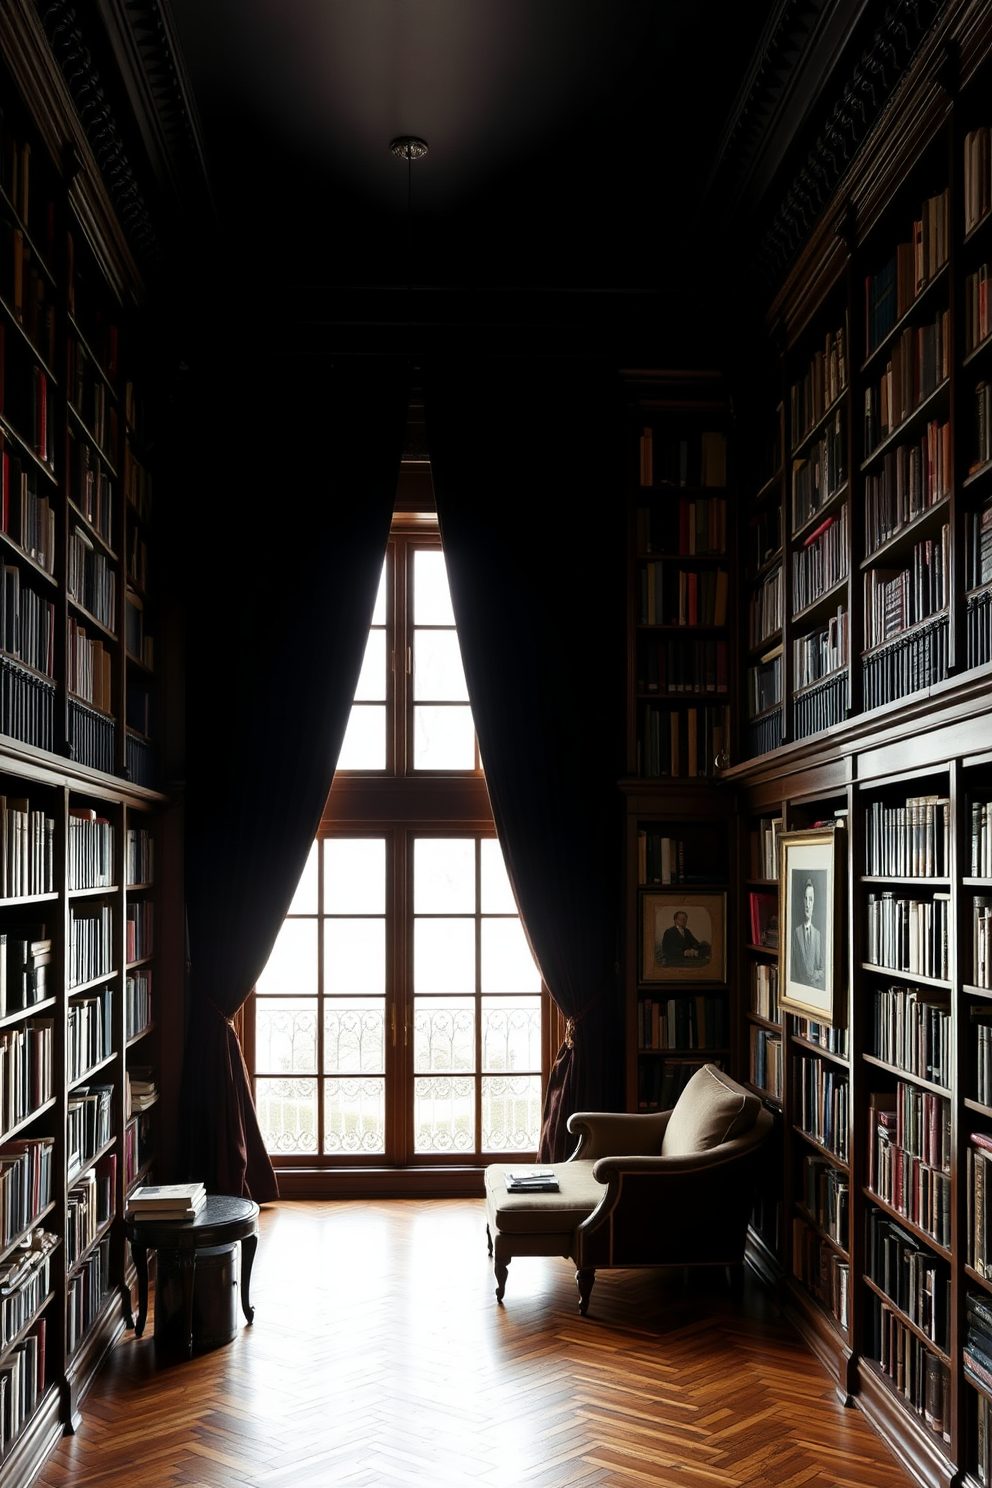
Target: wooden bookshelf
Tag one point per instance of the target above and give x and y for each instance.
(82, 997)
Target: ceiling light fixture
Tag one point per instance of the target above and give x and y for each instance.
(409, 147)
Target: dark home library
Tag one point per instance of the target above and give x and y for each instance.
(682, 360)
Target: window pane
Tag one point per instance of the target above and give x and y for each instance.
(443, 1035)
(438, 675)
(355, 1037)
(444, 1114)
(305, 898)
(292, 967)
(354, 1116)
(443, 738)
(443, 956)
(379, 613)
(355, 957)
(354, 875)
(286, 1035)
(511, 1113)
(507, 964)
(372, 678)
(443, 875)
(287, 1114)
(497, 896)
(364, 746)
(511, 1033)
(431, 595)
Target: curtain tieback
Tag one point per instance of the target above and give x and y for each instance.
(219, 1011)
(570, 1033)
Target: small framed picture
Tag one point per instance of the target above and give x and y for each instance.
(683, 937)
(810, 980)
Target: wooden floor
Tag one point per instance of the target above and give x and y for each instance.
(379, 1357)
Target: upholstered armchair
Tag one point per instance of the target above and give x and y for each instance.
(665, 1188)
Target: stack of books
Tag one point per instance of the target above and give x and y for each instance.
(157, 1201)
(531, 1180)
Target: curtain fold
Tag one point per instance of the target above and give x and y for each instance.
(529, 480)
(290, 481)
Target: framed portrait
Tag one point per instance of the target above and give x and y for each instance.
(810, 967)
(683, 936)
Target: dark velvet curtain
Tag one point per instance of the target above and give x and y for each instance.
(292, 475)
(528, 474)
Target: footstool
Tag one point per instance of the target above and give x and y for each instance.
(537, 1224)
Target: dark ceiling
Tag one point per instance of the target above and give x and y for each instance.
(569, 146)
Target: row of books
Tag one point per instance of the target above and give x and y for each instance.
(92, 736)
(683, 596)
(85, 1216)
(821, 562)
(91, 579)
(977, 312)
(90, 486)
(890, 293)
(683, 742)
(91, 947)
(27, 622)
(139, 856)
(89, 1124)
(25, 404)
(909, 841)
(978, 546)
(819, 1267)
(25, 956)
(26, 1080)
(27, 841)
(919, 1375)
(89, 668)
(912, 1031)
(25, 1282)
(22, 1384)
(679, 664)
(139, 929)
(911, 935)
(25, 289)
(821, 652)
(676, 460)
(907, 664)
(919, 363)
(983, 425)
(663, 859)
(982, 941)
(139, 643)
(766, 1061)
(764, 683)
(762, 907)
(687, 527)
(822, 1103)
(765, 607)
(89, 1032)
(829, 1036)
(918, 1191)
(820, 475)
(137, 1002)
(764, 844)
(912, 479)
(979, 1250)
(896, 598)
(764, 733)
(764, 991)
(826, 1195)
(85, 1294)
(660, 1082)
(138, 1145)
(977, 1363)
(763, 538)
(981, 1019)
(89, 849)
(90, 398)
(820, 386)
(27, 705)
(821, 706)
(980, 840)
(696, 1022)
(911, 1276)
(977, 177)
(25, 1184)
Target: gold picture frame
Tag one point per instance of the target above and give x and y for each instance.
(683, 936)
(810, 963)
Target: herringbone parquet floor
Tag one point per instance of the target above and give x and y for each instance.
(380, 1359)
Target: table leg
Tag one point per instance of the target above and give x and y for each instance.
(248, 1247)
(188, 1263)
(140, 1254)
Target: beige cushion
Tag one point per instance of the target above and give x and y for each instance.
(711, 1109)
(542, 1213)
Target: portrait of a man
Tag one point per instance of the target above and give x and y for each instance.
(679, 946)
(683, 937)
(807, 939)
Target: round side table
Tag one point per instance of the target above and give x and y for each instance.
(222, 1221)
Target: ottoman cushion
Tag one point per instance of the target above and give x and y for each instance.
(542, 1213)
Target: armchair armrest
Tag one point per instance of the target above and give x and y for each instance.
(607, 1133)
(611, 1166)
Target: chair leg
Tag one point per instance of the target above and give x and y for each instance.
(489, 1240)
(584, 1279)
(500, 1269)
